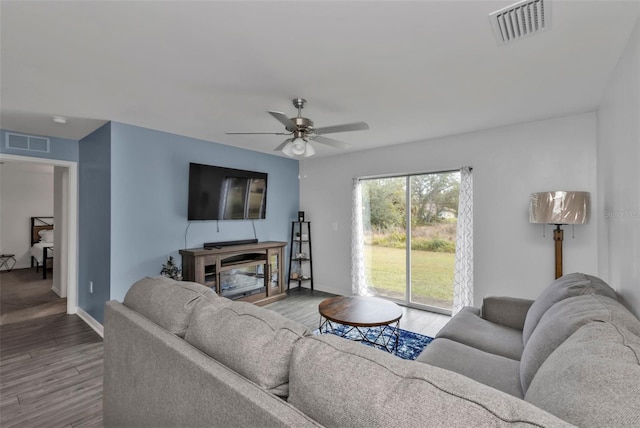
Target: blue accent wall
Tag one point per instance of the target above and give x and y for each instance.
(94, 221)
(59, 148)
(149, 194)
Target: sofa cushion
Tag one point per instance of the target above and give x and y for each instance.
(506, 311)
(592, 379)
(250, 340)
(570, 285)
(167, 302)
(494, 370)
(562, 320)
(469, 328)
(341, 383)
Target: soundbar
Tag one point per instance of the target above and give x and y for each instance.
(210, 245)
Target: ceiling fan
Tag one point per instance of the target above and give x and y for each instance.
(303, 132)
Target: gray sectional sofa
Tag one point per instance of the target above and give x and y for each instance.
(574, 351)
(176, 354)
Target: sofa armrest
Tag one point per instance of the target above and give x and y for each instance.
(506, 311)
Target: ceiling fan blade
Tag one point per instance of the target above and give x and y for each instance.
(258, 133)
(356, 126)
(281, 146)
(330, 142)
(283, 119)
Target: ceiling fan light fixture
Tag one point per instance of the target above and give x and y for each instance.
(309, 151)
(299, 147)
(288, 150)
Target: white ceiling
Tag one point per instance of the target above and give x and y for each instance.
(412, 70)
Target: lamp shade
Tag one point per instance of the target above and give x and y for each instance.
(560, 207)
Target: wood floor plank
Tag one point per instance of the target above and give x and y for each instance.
(50, 366)
(8, 401)
(67, 356)
(29, 396)
(301, 305)
(58, 411)
(16, 358)
(90, 417)
(24, 295)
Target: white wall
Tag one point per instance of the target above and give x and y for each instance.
(618, 150)
(511, 255)
(26, 190)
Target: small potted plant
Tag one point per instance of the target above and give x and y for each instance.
(171, 270)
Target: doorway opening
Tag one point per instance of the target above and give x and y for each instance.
(65, 210)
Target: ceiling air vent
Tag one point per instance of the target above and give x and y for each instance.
(521, 20)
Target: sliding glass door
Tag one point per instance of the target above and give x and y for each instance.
(409, 229)
(384, 203)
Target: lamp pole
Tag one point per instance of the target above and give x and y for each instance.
(558, 235)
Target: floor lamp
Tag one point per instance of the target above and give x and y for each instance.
(559, 208)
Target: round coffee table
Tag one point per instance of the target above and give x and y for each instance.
(366, 319)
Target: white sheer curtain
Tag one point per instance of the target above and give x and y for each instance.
(359, 285)
(463, 276)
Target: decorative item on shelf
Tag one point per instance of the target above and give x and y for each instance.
(300, 215)
(300, 271)
(171, 270)
(559, 208)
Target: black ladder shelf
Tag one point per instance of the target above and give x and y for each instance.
(300, 263)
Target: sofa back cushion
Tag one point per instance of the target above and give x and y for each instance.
(252, 341)
(342, 383)
(167, 302)
(570, 285)
(562, 320)
(592, 379)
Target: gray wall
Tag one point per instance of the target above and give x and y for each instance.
(509, 163)
(619, 176)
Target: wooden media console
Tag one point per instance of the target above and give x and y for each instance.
(248, 272)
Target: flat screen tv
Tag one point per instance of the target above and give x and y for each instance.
(217, 193)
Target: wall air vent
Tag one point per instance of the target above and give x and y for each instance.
(520, 20)
(27, 142)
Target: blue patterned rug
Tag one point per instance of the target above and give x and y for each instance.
(410, 344)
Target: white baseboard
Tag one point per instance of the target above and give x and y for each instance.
(91, 322)
(58, 292)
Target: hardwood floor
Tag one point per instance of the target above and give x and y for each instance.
(50, 373)
(302, 305)
(51, 367)
(24, 295)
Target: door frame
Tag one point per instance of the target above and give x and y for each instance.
(70, 257)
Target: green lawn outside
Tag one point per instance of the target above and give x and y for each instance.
(432, 274)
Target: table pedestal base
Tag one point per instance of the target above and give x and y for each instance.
(385, 337)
